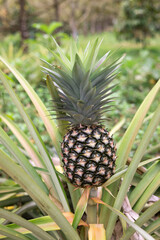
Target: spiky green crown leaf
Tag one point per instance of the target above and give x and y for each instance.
(82, 84)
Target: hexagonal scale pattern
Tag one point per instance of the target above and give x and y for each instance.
(89, 155)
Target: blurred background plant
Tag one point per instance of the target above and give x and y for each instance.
(139, 20)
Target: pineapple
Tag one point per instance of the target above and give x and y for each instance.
(88, 150)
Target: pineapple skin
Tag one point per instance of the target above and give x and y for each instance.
(88, 155)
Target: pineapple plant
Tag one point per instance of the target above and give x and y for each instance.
(81, 81)
(47, 190)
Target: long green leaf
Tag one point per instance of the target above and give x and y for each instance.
(153, 148)
(7, 196)
(21, 159)
(73, 51)
(150, 190)
(106, 196)
(115, 177)
(62, 55)
(153, 226)
(39, 233)
(132, 224)
(149, 161)
(44, 114)
(10, 189)
(63, 65)
(25, 142)
(45, 223)
(75, 195)
(120, 174)
(31, 151)
(144, 183)
(39, 196)
(125, 146)
(130, 134)
(105, 212)
(41, 146)
(90, 60)
(132, 169)
(12, 234)
(147, 215)
(81, 206)
(117, 126)
(54, 93)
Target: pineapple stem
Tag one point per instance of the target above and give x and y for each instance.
(92, 207)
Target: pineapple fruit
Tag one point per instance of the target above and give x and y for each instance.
(83, 96)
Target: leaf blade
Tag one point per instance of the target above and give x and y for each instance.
(45, 223)
(21, 159)
(132, 167)
(44, 114)
(41, 146)
(148, 214)
(81, 206)
(11, 233)
(133, 225)
(39, 196)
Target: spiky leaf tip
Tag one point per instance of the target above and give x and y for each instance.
(82, 83)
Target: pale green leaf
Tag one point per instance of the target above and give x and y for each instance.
(25, 142)
(12, 234)
(121, 215)
(144, 183)
(117, 126)
(40, 107)
(36, 193)
(31, 151)
(147, 215)
(45, 223)
(81, 206)
(24, 223)
(36, 136)
(149, 191)
(132, 168)
(153, 226)
(62, 55)
(130, 134)
(21, 159)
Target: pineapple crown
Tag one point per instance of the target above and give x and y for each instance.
(81, 94)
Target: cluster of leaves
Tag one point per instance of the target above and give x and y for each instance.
(139, 73)
(48, 30)
(139, 19)
(29, 164)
